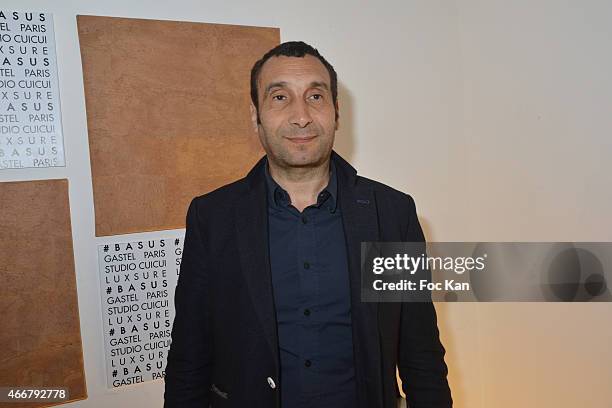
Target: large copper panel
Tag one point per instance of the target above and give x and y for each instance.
(167, 114)
(39, 329)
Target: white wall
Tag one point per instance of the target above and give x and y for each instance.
(495, 115)
(536, 125)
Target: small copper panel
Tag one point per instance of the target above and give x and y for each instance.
(39, 329)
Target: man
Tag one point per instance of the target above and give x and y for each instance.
(268, 308)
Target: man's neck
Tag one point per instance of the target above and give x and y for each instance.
(303, 184)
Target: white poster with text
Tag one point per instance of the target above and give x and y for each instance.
(137, 281)
(30, 117)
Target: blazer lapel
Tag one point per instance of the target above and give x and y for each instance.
(360, 219)
(252, 237)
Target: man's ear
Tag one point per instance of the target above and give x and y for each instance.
(338, 119)
(254, 117)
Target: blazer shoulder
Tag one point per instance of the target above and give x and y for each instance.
(386, 192)
(217, 204)
(396, 209)
(223, 195)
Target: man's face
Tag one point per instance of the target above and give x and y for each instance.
(296, 111)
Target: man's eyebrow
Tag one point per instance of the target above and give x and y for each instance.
(317, 84)
(280, 84)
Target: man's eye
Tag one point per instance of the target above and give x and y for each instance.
(316, 97)
(279, 97)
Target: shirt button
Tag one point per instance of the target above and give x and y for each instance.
(306, 312)
(304, 219)
(271, 383)
(307, 363)
(306, 265)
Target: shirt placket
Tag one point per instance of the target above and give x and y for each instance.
(308, 267)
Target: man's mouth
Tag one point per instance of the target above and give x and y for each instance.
(301, 139)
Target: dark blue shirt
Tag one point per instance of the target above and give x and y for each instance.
(312, 298)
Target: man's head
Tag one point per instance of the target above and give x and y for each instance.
(294, 105)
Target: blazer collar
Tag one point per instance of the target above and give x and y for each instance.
(345, 172)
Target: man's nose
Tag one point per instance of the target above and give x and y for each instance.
(300, 115)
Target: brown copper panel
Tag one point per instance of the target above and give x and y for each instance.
(40, 334)
(167, 115)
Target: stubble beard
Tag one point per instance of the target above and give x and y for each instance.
(280, 151)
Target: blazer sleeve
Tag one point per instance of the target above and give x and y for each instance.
(189, 366)
(421, 355)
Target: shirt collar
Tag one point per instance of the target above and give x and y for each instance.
(278, 197)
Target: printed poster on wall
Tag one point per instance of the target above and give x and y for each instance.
(138, 280)
(30, 118)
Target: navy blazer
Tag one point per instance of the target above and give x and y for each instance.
(224, 350)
